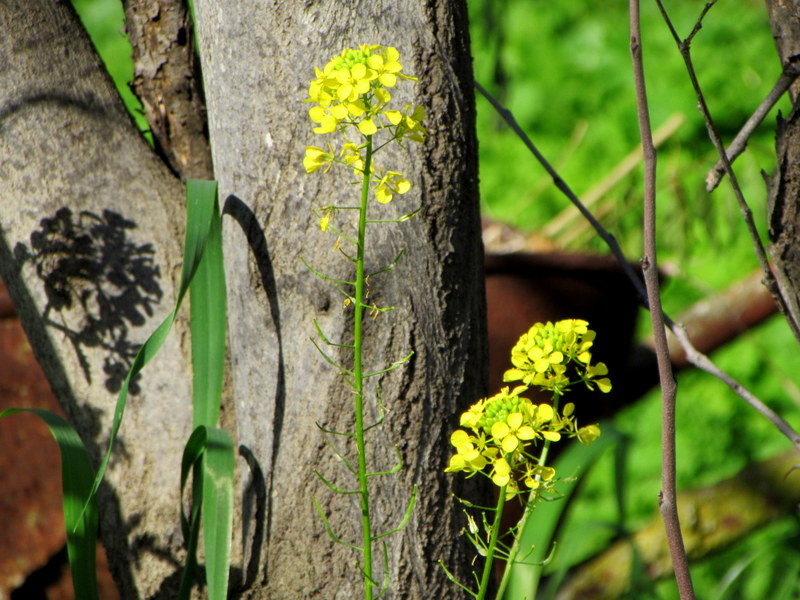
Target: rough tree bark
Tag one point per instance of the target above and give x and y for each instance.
(783, 200)
(90, 231)
(90, 251)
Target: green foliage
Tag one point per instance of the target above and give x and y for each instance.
(80, 514)
(564, 70)
(104, 20)
(563, 67)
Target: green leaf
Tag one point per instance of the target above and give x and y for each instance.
(201, 200)
(541, 525)
(77, 476)
(208, 322)
(209, 456)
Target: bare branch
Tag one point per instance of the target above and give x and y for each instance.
(607, 237)
(668, 504)
(684, 47)
(790, 72)
(693, 355)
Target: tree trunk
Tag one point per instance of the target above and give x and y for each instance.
(255, 85)
(783, 200)
(90, 248)
(78, 182)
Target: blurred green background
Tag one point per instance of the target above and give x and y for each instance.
(564, 70)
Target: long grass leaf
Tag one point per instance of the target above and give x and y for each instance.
(77, 476)
(208, 323)
(541, 526)
(191, 461)
(201, 200)
(218, 510)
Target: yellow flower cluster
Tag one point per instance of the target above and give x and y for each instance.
(504, 430)
(542, 356)
(352, 92)
(500, 432)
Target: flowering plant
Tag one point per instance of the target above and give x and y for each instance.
(351, 96)
(500, 433)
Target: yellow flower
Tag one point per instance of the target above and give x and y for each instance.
(501, 474)
(386, 66)
(317, 158)
(512, 432)
(588, 434)
(390, 184)
(535, 474)
(469, 457)
(473, 416)
(367, 127)
(543, 353)
(351, 155)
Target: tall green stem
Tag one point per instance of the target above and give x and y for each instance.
(366, 530)
(492, 549)
(512, 555)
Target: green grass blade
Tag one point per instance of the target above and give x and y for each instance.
(77, 476)
(218, 508)
(208, 324)
(541, 526)
(192, 461)
(209, 455)
(201, 201)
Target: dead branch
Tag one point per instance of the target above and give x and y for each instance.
(790, 72)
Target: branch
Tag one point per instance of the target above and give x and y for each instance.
(167, 80)
(790, 72)
(607, 237)
(694, 356)
(667, 499)
(684, 47)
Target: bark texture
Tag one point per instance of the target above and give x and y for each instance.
(167, 80)
(90, 247)
(783, 201)
(90, 233)
(257, 61)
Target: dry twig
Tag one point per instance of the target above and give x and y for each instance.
(790, 72)
(684, 47)
(668, 502)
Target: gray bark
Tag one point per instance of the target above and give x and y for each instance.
(90, 247)
(257, 62)
(66, 142)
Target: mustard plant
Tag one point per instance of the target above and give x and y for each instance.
(351, 96)
(501, 434)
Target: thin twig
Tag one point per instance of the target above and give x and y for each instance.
(739, 143)
(684, 47)
(668, 502)
(607, 237)
(694, 356)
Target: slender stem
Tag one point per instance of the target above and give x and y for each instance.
(358, 377)
(668, 501)
(490, 552)
(512, 556)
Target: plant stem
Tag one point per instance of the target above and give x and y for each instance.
(512, 555)
(358, 376)
(490, 552)
(668, 497)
